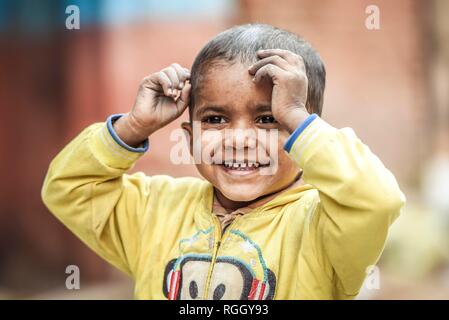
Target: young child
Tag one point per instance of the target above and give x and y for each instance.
(308, 229)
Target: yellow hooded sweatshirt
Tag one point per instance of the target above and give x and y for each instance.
(314, 241)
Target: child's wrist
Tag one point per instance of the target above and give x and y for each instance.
(293, 119)
(130, 132)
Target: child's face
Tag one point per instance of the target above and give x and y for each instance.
(227, 98)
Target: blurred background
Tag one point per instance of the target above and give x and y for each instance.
(391, 85)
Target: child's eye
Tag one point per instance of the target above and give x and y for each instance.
(214, 119)
(266, 119)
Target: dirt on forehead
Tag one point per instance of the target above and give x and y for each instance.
(211, 70)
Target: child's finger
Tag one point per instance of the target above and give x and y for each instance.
(173, 76)
(187, 71)
(183, 100)
(182, 74)
(285, 54)
(269, 70)
(276, 60)
(290, 57)
(164, 81)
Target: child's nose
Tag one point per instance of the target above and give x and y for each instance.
(241, 139)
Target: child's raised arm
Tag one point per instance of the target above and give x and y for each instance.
(162, 97)
(86, 186)
(358, 201)
(358, 197)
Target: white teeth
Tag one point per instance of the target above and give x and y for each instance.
(236, 165)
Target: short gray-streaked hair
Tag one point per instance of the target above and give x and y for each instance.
(241, 43)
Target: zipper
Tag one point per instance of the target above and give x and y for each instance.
(221, 237)
(214, 255)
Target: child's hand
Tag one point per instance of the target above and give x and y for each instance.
(162, 97)
(288, 75)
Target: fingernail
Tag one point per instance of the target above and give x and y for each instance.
(181, 85)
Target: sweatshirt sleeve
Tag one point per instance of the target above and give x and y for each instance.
(358, 199)
(87, 190)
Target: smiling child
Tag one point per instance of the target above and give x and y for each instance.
(301, 218)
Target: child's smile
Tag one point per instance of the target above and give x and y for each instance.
(241, 142)
(242, 168)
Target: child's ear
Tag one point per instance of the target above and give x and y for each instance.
(187, 126)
